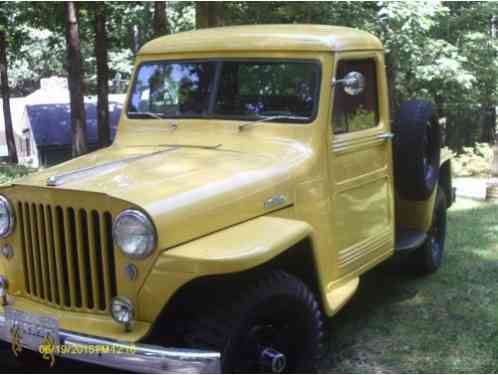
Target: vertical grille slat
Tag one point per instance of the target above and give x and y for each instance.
(71, 269)
(25, 259)
(106, 258)
(60, 248)
(29, 247)
(44, 271)
(110, 247)
(98, 302)
(101, 259)
(80, 255)
(35, 251)
(68, 256)
(51, 255)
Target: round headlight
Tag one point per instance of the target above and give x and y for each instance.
(4, 285)
(134, 234)
(7, 220)
(122, 311)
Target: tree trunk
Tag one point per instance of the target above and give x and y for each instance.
(135, 39)
(488, 124)
(75, 80)
(102, 76)
(209, 14)
(9, 132)
(160, 19)
(391, 86)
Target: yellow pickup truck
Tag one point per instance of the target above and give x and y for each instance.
(255, 176)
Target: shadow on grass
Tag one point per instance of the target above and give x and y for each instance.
(446, 322)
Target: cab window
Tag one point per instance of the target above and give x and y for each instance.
(352, 113)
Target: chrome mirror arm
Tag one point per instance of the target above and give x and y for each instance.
(353, 83)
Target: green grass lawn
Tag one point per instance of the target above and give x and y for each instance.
(446, 322)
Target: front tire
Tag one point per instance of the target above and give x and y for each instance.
(273, 325)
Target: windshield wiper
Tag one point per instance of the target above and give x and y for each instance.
(270, 118)
(159, 116)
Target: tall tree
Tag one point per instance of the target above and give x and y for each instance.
(209, 14)
(160, 19)
(9, 133)
(102, 75)
(75, 80)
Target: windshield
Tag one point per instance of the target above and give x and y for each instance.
(225, 89)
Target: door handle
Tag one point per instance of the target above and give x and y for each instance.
(386, 136)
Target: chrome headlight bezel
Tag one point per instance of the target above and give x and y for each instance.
(12, 219)
(122, 310)
(146, 222)
(4, 286)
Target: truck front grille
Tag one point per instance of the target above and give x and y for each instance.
(68, 256)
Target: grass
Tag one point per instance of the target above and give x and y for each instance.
(443, 323)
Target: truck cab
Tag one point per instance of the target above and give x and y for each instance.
(255, 176)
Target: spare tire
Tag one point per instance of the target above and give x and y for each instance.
(417, 150)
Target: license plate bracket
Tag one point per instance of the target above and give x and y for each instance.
(31, 330)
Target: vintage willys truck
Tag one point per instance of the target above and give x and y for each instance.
(254, 178)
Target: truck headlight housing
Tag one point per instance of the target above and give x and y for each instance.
(7, 218)
(123, 312)
(135, 234)
(4, 286)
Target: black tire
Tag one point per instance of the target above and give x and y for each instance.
(277, 311)
(428, 258)
(417, 150)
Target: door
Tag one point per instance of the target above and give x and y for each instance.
(360, 166)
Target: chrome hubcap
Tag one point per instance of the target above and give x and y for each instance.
(272, 360)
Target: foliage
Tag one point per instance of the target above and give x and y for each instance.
(441, 51)
(9, 172)
(41, 55)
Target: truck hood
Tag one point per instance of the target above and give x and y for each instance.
(188, 190)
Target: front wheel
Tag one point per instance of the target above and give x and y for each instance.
(429, 257)
(274, 326)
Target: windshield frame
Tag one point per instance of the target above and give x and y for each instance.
(317, 65)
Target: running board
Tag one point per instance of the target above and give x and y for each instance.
(408, 240)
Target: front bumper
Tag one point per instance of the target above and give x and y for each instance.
(132, 357)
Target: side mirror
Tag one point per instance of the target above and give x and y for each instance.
(353, 83)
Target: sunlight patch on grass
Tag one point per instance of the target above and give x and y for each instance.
(446, 322)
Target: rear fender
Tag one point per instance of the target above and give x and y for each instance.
(445, 182)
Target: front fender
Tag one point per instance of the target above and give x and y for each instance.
(234, 249)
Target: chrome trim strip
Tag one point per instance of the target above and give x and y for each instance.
(136, 357)
(12, 217)
(275, 201)
(104, 168)
(349, 145)
(387, 135)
